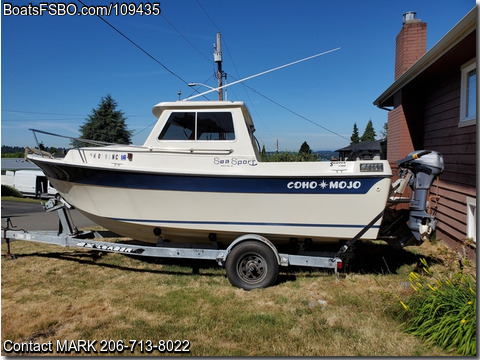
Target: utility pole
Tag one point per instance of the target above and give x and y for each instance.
(217, 56)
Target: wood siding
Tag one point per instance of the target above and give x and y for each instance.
(440, 117)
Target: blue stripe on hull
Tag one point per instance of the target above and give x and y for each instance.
(243, 223)
(228, 183)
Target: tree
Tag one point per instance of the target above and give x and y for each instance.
(305, 153)
(305, 149)
(263, 154)
(384, 131)
(369, 133)
(106, 124)
(355, 138)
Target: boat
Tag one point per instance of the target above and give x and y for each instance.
(199, 178)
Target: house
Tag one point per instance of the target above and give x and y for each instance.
(365, 150)
(432, 106)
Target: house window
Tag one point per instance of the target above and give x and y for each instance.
(468, 95)
(471, 219)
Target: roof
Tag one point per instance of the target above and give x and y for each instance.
(17, 164)
(203, 106)
(363, 146)
(179, 105)
(462, 29)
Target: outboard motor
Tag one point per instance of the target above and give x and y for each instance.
(419, 170)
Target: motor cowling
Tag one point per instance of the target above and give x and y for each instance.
(425, 166)
(403, 226)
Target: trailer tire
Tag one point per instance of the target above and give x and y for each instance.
(251, 265)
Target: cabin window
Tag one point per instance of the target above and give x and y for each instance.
(180, 126)
(468, 95)
(215, 126)
(198, 126)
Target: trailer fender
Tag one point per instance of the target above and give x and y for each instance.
(282, 261)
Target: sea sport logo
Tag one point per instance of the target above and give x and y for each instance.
(230, 162)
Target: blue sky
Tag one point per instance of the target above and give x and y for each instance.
(56, 69)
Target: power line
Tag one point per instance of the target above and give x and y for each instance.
(213, 22)
(145, 128)
(185, 38)
(61, 114)
(138, 46)
(301, 116)
(295, 113)
(33, 120)
(42, 113)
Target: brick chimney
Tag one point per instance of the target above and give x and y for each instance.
(411, 43)
(410, 46)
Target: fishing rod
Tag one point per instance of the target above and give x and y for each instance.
(261, 73)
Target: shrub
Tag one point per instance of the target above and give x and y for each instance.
(10, 191)
(443, 310)
(287, 156)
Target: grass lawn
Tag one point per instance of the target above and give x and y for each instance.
(50, 293)
(24, 199)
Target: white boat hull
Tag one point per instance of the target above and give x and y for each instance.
(188, 209)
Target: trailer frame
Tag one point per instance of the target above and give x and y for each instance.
(69, 236)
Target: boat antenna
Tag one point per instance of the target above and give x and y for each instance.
(259, 74)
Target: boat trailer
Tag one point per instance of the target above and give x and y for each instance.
(251, 261)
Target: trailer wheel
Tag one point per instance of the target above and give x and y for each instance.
(251, 265)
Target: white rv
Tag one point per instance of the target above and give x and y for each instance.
(30, 182)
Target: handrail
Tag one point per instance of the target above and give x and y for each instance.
(192, 151)
(153, 149)
(75, 140)
(93, 142)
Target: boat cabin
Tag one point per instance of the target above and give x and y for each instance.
(222, 127)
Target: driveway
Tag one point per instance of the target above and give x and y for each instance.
(32, 216)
